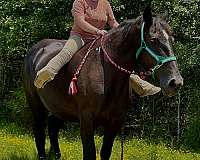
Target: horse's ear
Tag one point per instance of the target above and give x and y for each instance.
(147, 16)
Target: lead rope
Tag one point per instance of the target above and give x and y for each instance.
(122, 143)
(178, 117)
(72, 87)
(112, 62)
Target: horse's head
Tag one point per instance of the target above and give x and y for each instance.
(155, 51)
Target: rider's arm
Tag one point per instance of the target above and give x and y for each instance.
(80, 20)
(79, 17)
(111, 18)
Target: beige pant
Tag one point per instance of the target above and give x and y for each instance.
(73, 44)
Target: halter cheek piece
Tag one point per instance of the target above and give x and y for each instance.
(160, 60)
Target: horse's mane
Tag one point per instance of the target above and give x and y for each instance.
(125, 27)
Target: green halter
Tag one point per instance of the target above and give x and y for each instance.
(160, 60)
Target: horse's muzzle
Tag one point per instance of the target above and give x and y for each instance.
(176, 84)
(173, 85)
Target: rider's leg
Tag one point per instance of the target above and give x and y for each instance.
(48, 73)
(141, 87)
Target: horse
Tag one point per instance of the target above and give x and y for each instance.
(102, 84)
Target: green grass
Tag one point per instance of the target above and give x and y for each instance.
(15, 145)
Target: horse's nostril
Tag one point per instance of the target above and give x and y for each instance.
(172, 83)
(175, 84)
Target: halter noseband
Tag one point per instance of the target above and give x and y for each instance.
(160, 60)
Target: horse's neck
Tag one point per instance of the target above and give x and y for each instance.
(122, 47)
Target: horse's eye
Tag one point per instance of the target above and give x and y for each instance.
(173, 37)
(153, 39)
(173, 34)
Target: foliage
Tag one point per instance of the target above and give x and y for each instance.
(15, 107)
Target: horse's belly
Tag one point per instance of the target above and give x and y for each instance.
(57, 101)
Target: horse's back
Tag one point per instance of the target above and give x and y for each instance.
(40, 54)
(37, 57)
(55, 94)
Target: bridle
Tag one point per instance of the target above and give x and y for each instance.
(160, 60)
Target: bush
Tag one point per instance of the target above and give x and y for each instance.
(14, 110)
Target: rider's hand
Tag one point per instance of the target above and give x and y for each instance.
(101, 32)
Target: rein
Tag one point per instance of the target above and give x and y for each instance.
(72, 87)
(160, 60)
(112, 62)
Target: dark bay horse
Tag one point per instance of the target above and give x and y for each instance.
(103, 88)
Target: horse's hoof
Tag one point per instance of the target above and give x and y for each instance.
(57, 156)
(42, 158)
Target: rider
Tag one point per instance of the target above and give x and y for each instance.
(90, 18)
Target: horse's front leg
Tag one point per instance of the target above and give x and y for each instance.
(109, 136)
(87, 136)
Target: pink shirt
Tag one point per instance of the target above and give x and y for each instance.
(96, 13)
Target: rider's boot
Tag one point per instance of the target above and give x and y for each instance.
(141, 87)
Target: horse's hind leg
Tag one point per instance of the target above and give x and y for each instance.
(54, 125)
(39, 117)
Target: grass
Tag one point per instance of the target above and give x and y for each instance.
(15, 145)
